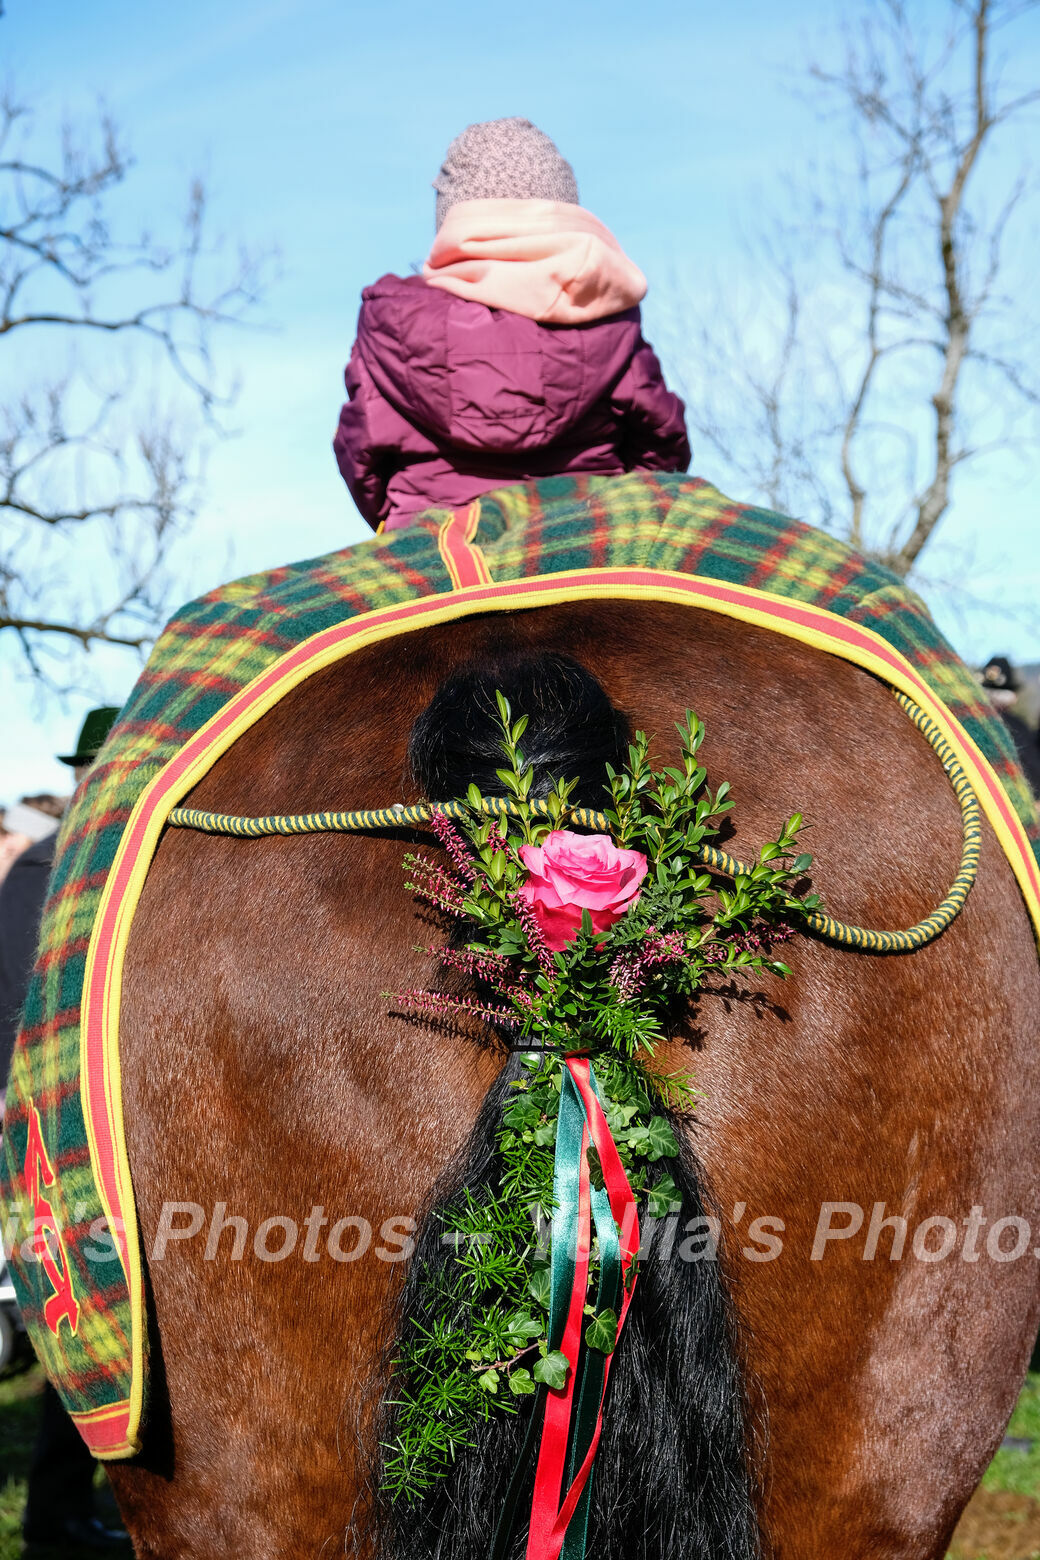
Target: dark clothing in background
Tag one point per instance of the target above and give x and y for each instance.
(1027, 746)
(61, 1474)
(449, 399)
(22, 895)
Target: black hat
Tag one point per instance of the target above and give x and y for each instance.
(95, 728)
(999, 673)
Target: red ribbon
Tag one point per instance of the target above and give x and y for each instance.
(551, 1510)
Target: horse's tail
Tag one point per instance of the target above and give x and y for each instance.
(673, 1478)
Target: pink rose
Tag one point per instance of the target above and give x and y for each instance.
(570, 873)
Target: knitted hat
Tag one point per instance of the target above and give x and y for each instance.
(503, 159)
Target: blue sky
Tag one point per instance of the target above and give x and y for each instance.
(319, 125)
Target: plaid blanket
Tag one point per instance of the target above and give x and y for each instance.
(222, 662)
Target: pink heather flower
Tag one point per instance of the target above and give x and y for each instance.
(624, 977)
(433, 884)
(454, 844)
(630, 971)
(532, 929)
(491, 967)
(662, 947)
(570, 873)
(438, 1004)
(763, 937)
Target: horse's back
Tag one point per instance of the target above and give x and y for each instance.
(265, 1070)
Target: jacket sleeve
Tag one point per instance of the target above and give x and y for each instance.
(363, 459)
(651, 420)
(21, 906)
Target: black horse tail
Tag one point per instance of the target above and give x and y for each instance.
(673, 1478)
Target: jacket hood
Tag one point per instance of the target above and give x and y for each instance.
(483, 378)
(554, 262)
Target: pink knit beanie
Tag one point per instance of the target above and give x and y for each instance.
(508, 159)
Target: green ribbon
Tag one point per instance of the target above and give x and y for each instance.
(591, 1362)
(570, 1128)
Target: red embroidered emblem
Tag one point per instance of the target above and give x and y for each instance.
(47, 1241)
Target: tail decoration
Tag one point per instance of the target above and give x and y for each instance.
(574, 1415)
(549, 1396)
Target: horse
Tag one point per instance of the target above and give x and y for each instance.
(287, 1126)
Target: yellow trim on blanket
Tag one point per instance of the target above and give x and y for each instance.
(559, 589)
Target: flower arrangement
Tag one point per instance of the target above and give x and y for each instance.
(580, 949)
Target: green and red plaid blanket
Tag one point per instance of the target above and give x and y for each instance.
(225, 659)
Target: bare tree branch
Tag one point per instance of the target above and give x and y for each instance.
(875, 351)
(910, 334)
(91, 465)
(936, 497)
(85, 636)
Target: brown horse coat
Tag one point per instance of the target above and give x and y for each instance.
(263, 1071)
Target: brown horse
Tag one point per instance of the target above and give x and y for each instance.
(265, 1072)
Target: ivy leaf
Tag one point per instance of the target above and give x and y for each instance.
(522, 1327)
(520, 1383)
(523, 1112)
(540, 1286)
(545, 1134)
(663, 1198)
(662, 1143)
(619, 1116)
(553, 1369)
(602, 1333)
(489, 1381)
(596, 1175)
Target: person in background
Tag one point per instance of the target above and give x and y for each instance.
(25, 823)
(59, 1510)
(517, 354)
(1004, 685)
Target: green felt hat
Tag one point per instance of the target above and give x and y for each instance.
(95, 728)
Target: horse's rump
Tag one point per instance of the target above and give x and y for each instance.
(263, 1071)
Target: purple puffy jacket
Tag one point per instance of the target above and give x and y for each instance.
(449, 399)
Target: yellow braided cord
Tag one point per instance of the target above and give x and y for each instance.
(399, 816)
(860, 938)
